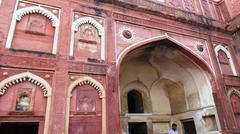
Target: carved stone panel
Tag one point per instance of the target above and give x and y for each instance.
(87, 100)
(36, 24)
(87, 43)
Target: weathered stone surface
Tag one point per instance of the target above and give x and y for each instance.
(165, 50)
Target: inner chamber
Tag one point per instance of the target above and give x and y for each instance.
(160, 85)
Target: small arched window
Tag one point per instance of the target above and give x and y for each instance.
(135, 102)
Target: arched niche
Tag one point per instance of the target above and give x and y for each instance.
(34, 79)
(141, 89)
(20, 13)
(86, 80)
(91, 21)
(135, 102)
(220, 49)
(234, 98)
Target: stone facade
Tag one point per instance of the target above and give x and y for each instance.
(73, 66)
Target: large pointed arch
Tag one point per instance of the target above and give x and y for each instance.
(198, 59)
(88, 20)
(36, 80)
(86, 80)
(222, 48)
(205, 68)
(18, 14)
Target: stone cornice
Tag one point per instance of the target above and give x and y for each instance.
(169, 13)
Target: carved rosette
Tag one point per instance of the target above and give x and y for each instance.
(126, 34)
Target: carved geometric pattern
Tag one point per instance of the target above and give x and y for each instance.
(24, 77)
(88, 20)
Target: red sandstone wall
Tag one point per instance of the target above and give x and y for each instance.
(57, 69)
(233, 6)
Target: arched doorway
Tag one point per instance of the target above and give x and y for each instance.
(174, 88)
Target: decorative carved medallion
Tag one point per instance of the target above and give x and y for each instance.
(200, 48)
(126, 34)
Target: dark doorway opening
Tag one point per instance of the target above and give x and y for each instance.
(135, 102)
(137, 128)
(19, 127)
(189, 126)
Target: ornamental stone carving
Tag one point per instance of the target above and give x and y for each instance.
(24, 77)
